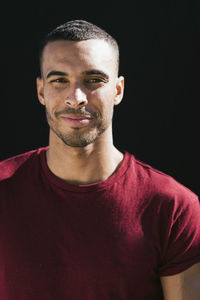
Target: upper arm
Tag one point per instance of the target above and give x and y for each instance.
(182, 286)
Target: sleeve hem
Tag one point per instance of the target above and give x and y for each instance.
(179, 268)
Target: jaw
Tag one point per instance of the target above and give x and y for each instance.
(81, 143)
(75, 137)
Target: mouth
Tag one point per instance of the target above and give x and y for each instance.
(76, 120)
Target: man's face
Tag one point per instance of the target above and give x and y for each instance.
(79, 88)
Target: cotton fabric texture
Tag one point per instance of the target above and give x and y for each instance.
(107, 240)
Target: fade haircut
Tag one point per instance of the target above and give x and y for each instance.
(78, 30)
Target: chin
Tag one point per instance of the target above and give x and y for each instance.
(79, 137)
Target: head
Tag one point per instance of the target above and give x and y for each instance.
(78, 30)
(79, 83)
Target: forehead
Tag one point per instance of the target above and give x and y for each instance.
(79, 55)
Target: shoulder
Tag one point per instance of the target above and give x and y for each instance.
(156, 183)
(10, 166)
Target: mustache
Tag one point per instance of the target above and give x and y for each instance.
(79, 112)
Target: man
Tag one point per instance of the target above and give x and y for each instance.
(81, 219)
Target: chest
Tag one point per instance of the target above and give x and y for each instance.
(101, 241)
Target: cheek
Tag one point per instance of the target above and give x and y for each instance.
(104, 95)
(53, 99)
(102, 101)
(51, 94)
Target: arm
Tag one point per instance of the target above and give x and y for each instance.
(182, 286)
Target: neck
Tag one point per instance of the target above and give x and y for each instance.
(83, 165)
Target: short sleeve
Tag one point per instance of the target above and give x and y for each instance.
(181, 246)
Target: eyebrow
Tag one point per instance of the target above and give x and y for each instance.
(56, 73)
(88, 72)
(96, 72)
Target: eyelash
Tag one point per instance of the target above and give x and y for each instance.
(89, 81)
(59, 80)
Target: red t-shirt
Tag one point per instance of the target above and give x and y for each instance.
(105, 241)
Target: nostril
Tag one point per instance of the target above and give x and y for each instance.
(75, 102)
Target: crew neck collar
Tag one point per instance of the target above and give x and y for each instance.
(60, 183)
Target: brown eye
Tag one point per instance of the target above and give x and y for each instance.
(94, 80)
(59, 80)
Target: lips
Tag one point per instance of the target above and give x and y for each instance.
(76, 116)
(76, 120)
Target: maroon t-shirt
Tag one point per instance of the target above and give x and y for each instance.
(102, 241)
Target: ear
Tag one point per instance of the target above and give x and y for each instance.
(119, 90)
(40, 90)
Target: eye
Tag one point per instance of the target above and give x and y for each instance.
(96, 80)
(59, 80)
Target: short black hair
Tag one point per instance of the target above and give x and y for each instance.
(78, 30)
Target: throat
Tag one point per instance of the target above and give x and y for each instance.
(91, 169)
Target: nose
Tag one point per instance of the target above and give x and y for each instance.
(76, 98)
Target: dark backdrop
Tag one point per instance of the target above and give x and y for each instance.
(158, 120)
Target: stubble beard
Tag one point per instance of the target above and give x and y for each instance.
(78, 137)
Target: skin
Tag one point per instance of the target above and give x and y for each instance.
(182, 286)
(84, 153)
(81, 154)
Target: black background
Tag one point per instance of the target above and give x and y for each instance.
(158, 119)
